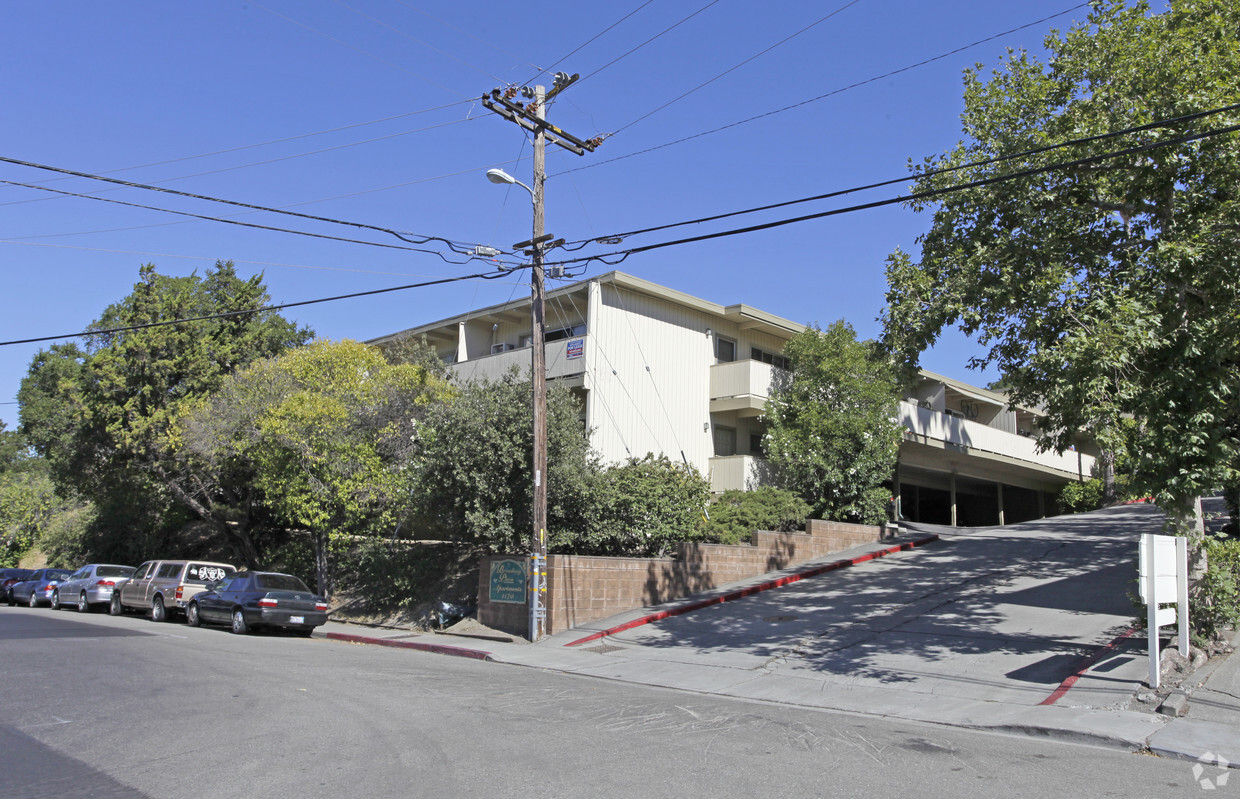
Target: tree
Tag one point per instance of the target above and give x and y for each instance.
(832, 434)
(319, 436)
(101, 415)
(474, 455)
(1104, 290)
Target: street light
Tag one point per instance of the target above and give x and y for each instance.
(503, 178)
(538, 380)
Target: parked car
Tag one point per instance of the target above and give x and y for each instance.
(10, 577)
(165, 587)
(37, 589)
(249, 600)
(90, 585)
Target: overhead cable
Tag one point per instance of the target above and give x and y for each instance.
(832, 93)
(264, 309)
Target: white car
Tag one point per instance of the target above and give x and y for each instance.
(90, 585)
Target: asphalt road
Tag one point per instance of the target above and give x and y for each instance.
(121, 707)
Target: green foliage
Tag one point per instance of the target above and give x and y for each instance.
(1104, 291)
(643, 508)
(103, 416)
(474, 456)
(66, 539)
(736, 515)
(1080, 497)
(832, 432)
(393, 574)
(1215, 599)
(320, 435)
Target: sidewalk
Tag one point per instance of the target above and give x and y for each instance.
(1017, 629)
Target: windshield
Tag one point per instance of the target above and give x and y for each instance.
(281, 582)
(56, 574)
(114, 571)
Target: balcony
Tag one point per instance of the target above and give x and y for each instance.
(969, 437)
(559, 362)
(741, 386)
(740, 472)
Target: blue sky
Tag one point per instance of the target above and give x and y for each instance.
(367, 111)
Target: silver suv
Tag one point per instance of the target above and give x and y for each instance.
(165, 587)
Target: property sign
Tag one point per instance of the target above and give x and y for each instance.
(508, 581)
(576, 348)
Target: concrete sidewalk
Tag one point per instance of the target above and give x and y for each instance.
(1015, 629)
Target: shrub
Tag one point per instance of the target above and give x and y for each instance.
(735, 515)
(1215, 598)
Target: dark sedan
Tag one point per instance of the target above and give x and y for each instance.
(249, 600)
(37, 589)
(10, 578)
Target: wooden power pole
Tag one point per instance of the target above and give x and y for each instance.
(533, 117)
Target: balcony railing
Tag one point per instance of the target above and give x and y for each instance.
(962, 433)
(495, 365)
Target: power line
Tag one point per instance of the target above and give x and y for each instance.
(738, 66)
(832, 93)
(212, 258)
(130, 184)
(921, 176)
(274, 160)
(242, 224)
(264, 309)
(622, 255)
(288, 139)
(581, 47)
(661, 33)
(472, 36)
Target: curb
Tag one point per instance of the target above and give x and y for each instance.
(439, 649)
(1085, 665)
(741, 593)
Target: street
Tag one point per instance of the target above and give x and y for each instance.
(96, 706)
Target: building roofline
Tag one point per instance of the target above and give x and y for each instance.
(744, 315)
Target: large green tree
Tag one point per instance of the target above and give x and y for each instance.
(101, 414)
(832, 435)
(1105, 291)
(320, 437)
(474, 456)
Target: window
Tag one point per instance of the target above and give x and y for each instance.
(778, 361)
(169, 570)
(755, 444)
(725, 350)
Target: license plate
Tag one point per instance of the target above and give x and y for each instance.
(296, 619)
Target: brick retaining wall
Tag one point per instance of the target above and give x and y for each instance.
(584, 588)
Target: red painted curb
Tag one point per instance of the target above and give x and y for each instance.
(754, 589)
(1086, 664)
(438, 649)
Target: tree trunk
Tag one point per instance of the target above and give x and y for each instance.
(1108, 478)
(322, 564)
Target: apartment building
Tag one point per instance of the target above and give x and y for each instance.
(661, 371)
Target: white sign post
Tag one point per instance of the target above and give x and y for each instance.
(1163, 571)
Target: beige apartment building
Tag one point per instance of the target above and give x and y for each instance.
(660, 371)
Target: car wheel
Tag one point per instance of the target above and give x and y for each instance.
(34, 599)
(158, 612)
(303, 632)
(115, 607)
(191, 615)
(55, 603)
(83, 605)
(238, 622)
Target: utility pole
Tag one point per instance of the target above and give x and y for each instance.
(533, 117)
